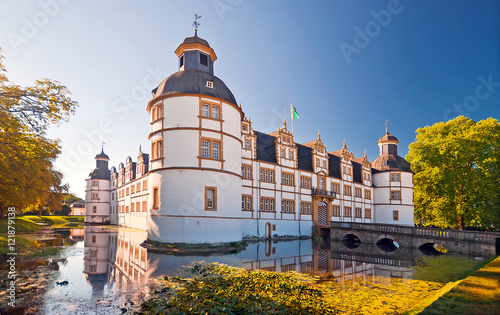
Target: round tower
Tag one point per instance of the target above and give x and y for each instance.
(97, 206)
(393, 185)
(194, 179)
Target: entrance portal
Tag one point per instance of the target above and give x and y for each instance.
(322, 213)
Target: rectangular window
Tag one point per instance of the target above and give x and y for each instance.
(246, 202)
(368, 194)
(156, 198)
(95, 183)
(282, 153)
(144, 206)
(305, 207)
(157, 149)
(138, 206)
(348, 212)
(132, 189)
(290, 155)
(128, 191)
(204, 59)
(244, 127)
(358, 212)
(287, 206)
(336, 211)
(287, 179)
(267, 204)
(145, 185)
(324, 164)
(215, 150)
(132, 207)
(395, 215)
(127, 210)
(210, 111)
(94, 196)
(215, 112)
(266, 175)
(157, 112)
(368, 213)
(210, 149)
(358, 192)
(94, 238)
(205, 110)
(347, 190)
(305, 182)
(395, 177)
(181, 61)
(247, 144)
(210, 198)
(395, 195)
(94, 209)
(336, 188)
(246, 171)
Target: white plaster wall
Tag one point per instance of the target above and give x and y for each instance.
(182, 202)
(181, 148)
(181, 111)
(384, 214)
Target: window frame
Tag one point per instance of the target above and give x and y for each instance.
(156, 198)
(211, 149)
(214, 200)
(395, 195)
(213, 111)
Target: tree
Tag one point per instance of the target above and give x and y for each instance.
(27, 156)
(457, 173)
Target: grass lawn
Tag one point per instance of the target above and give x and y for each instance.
(55, 221)
(477, 294)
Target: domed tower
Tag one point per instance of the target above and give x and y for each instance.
(97, 207)
(194, 178)
(393, 185)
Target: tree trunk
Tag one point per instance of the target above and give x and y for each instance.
(1, 211)
(461, 223)
(39, 212)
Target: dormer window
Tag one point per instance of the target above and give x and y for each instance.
(204, 59)
(244, 127)
(181, 61)
(209, 85)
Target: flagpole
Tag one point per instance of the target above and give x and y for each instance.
(291, 115)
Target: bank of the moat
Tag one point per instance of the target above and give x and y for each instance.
(109, 270)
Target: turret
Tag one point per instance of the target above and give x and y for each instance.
(97, 206)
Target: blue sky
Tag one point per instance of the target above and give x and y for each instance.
(345, 65)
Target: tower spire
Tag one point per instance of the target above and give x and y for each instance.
(386, 126)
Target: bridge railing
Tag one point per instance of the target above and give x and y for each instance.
(487, 237)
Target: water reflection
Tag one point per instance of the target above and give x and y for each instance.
(117, 268)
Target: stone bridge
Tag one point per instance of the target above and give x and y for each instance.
(470, 242)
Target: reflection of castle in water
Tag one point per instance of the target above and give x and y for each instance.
(115, 257)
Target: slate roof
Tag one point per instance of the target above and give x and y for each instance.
(102, 155)
(266, 152)
(388, 137)
(100, 173)
(194, 82)
(391, 162)
(195, 39)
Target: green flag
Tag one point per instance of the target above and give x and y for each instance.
(295, 115)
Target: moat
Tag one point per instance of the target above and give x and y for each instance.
(107, 269)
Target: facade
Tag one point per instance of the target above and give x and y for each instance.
(78, 208)
(212, 178)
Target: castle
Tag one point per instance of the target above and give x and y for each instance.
(212, 178)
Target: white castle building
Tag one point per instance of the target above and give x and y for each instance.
(212, 178)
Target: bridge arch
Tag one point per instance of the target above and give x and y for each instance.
(387, 244)
(351, 241)
(432, 249)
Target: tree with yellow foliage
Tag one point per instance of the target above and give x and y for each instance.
(27, 156)
(457, 174)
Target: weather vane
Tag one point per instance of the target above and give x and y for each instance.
(386, 126)
(196, 23)
(102, 145)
